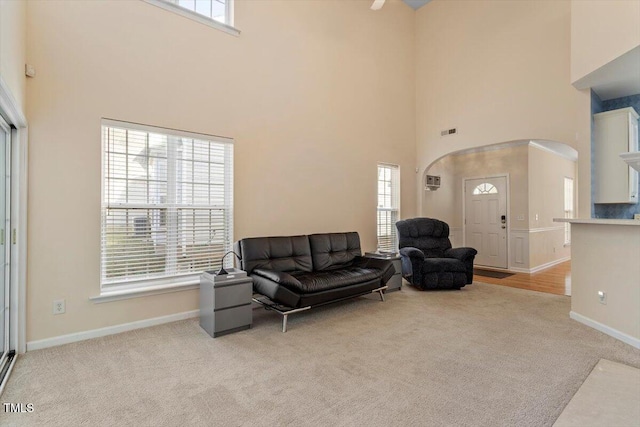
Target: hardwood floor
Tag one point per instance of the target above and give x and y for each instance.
(554, 280)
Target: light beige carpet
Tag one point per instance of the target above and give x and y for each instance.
(610, 396)
(487, 355)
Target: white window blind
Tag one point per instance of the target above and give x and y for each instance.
(167, 203)
(388, 206)
(218, 10)
(568, 208)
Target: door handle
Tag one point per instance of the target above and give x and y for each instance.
(504, 226)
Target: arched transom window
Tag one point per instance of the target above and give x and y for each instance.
(485, 188)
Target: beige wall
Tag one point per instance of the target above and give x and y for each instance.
(441, 203)
(13, 40)
(314, 94)
(601, 31)
(546, 201)
(605, 258)
(498, 71)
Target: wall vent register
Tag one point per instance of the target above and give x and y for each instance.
(447, 132)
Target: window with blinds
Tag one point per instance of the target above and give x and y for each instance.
(167, 203)
(388, 206)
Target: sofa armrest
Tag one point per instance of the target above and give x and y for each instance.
(384, 265)
(412, 260)
(463, 254)
(279, 277)
(413, 253)
(466, 255)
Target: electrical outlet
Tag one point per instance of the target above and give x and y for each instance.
(59, 306)
(602, 296)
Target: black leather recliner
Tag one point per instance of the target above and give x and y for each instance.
(428, 261)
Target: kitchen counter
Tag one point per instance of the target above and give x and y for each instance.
(601, 221)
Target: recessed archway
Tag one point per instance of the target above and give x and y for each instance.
(536, 172)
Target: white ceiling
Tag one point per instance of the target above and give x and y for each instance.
(618, 78)
(554, 147)
(416, 4)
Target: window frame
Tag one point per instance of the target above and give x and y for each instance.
(487, 188)
(568, 213)
(393, 208)
(160, 284)
(227, 27)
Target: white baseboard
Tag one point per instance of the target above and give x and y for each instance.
(539, 267)
(628, 339)
(519, 270)
(548, 264)
(109, 330)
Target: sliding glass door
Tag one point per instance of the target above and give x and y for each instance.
(5, 200)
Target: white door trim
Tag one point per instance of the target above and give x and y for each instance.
(508, 207)
(14, 115)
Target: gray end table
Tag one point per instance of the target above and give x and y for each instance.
(395, 283)
(225, 302)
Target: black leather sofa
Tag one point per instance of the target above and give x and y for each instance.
(299, 272)
(428, 260)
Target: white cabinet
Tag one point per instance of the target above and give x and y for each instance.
(615, 132)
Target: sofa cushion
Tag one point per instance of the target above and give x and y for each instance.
(279, 277)
(334, 250)
(437, 265)
(276, 253)
(332, 279)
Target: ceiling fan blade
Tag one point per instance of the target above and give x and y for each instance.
(377, 4)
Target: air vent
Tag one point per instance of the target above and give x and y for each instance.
(432, 182)
(446, 132)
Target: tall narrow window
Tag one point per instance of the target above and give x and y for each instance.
(388, 206)
(568, 208)
(167, 204)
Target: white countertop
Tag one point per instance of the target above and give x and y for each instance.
(600, 221)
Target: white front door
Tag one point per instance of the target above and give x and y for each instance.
(486, 220)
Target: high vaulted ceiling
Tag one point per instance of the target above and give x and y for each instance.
(416, 4)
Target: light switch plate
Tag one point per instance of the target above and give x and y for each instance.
(636, 217)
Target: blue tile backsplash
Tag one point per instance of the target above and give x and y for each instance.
(626, 101)
(623, 211)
